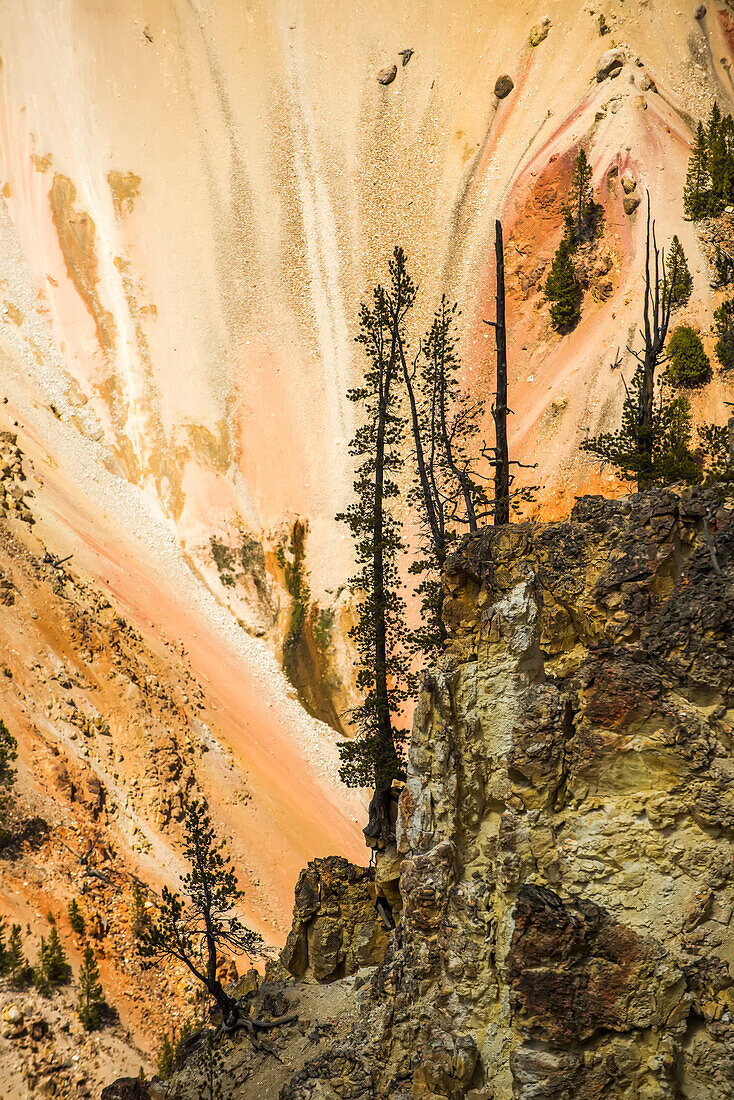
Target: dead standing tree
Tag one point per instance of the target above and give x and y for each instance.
(500, 452)
(659, 284)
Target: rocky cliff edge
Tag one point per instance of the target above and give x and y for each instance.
(565, 834)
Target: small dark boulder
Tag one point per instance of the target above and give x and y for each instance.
(387, 75)
(504, 86)
(126, 1088)
(700, 12)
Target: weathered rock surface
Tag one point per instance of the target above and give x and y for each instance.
(610, 64)
(337, 928)
(540, 31)
(566, 827)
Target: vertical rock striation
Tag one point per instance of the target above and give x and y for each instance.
(566, 827)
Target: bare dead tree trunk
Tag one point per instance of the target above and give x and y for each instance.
(656, 320)
(499, 411)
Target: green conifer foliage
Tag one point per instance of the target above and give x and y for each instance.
(723, 266)
(679, 277)
(8, 756)
(76, 919)
(697, 191)
(724, 329)
(56, 964)
(196, 926)
(140, 919)
(375, 756)
(671, 459)
(562, 289)
(16, 964)
(717, 161)
(91, 1002)
(717, 442)
(166, 1053)
(581, 199)
(448, 425)
(688, 363)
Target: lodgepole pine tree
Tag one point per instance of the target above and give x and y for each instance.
(196, 927)
(375, 756)
(669, 460)
(55, 963)
(688, 364)
(504, 494)
(679, 277)
(16, 964)
(717, 445)
(717, 161)
(91, 1002)
(76, 919)
(499, 410)
(447, 492)
(696, 194)
(724, 329)
(581, 199)
(562, 289)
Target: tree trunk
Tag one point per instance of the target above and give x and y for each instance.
(658, 306)
(380, 826)
(386, 765)
(499, 412)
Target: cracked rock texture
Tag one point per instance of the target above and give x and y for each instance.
(566, 827)
(336, 928)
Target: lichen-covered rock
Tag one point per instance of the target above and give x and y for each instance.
(337, 928)
(540, 31)
(566, 826)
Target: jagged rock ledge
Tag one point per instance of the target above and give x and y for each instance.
(566, 829)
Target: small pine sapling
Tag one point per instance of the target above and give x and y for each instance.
(91, 1002)
(76, 919)
(8, 774)
(16, 965)
(679, 277)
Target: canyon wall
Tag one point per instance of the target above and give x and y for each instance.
(567, 867)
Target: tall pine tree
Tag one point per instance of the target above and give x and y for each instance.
(197, 927)
(447, 491)
(581, 199)
(375, 756)
(697, 191)
(717, 161)
(652, 445)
